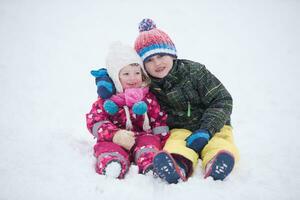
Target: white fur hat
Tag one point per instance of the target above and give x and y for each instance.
(119, 56)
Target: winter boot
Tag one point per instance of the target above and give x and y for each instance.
(220, 166)
(167, 168)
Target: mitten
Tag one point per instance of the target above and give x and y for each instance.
(124, 138)
(197, 140)
(105, 85)
(139, 108)
(110, 107)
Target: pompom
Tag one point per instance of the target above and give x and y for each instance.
(146, 25)
(139, 108)
(110, 107)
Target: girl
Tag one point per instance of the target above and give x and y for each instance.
(136, 129)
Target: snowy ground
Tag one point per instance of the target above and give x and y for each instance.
(48, 48)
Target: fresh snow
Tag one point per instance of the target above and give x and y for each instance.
(47, 49)
(113, 169)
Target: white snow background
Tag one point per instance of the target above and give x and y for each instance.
(47, 49)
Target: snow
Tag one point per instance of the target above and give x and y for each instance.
(48, 48)
(113, 169)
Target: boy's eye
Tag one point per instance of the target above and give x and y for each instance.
(148, 60)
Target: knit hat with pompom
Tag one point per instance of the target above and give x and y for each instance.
(152, 41)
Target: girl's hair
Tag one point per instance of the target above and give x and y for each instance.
(145, 77)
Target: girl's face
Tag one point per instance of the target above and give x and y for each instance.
(131, 76)
(159, 66)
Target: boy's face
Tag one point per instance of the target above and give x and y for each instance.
(131, 76)
(159, 66)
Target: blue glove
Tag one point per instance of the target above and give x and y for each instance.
(139, 108)
(105, 85)
(197, 140)
(110, 107)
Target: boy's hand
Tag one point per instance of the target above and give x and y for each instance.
(197, 140)
(124, 138)
(105, 85)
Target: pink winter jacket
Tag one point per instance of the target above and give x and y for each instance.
(104, 126)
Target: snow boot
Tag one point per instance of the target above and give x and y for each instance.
(165, 167)
(220, 166)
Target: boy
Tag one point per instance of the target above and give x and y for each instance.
(198, 108)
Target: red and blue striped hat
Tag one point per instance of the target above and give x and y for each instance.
(152, 41)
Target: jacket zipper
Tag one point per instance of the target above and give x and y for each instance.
(189, 109)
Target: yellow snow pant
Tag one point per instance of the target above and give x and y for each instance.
(221, 141)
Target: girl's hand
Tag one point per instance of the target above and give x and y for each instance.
(124, 138)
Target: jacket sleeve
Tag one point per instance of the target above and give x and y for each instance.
(157, 117)
(98, 122)
(216, 100)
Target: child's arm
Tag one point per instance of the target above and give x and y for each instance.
(157, 117)
(99, 124)
(216, 98)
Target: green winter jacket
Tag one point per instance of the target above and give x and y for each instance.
(193, 97)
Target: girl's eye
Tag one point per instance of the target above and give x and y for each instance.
(125, 74)
(137, 73)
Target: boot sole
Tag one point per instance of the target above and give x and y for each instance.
(221, 166)
(166, 167)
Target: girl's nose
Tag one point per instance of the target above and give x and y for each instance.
(131, 77)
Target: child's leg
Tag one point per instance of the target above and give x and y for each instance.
(176, 145)
(220, 154)
(176, 161)
(146, 147)
(109, 154)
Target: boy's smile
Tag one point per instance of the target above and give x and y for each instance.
(160, 69)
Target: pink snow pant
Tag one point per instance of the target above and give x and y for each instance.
(141, 154)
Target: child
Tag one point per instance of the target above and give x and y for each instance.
(130, 131)
(198, 108)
